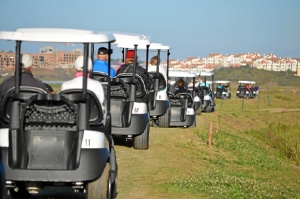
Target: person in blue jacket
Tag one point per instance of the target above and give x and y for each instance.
(100, 64)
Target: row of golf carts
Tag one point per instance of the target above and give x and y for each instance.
(246, 89)
(65, 139)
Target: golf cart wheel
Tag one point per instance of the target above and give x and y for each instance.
(208, 109)
(199, 111)
(21, 193)
(100, 188)
(194, 123)
(164, 120)
(142, 141)
(114, 175)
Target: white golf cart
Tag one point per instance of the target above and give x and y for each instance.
(130, 98)
(222, 90)
(56, 139)
(246, 89)
(206, 92)
(182, 103)
(159, 101)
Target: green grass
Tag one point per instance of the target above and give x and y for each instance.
(255, 154)
(242, 166)
(224, 184)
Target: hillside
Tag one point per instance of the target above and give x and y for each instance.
(262, 77)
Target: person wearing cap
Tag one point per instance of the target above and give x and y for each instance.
(129, 59)
(92, 85)
(129, 66)
(27, 78)
(100, 64)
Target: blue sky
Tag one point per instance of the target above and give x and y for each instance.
(190, 27)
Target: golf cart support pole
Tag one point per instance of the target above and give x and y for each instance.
(147, 57)
(85, 66)
(212, 82)
(18, 70)
(132, 85)
(15, 124)
(108, 116)
(168, 54)
(156, 80)
(92, 53)
(109, 79)
(83, 110)
(123, 56)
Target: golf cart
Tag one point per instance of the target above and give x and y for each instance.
(193, 88)
(182, 103)
(206, 93)
(56, 139)
(158, 101)
(245, 89)
(222, 89)
(130, 98)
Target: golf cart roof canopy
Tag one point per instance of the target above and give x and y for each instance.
(246, 82)
(204, 73)
(181, 74)
(129, 40)
(222, 82)
(155, 46)
(58, 35)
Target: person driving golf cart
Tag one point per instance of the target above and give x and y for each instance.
(180, 87)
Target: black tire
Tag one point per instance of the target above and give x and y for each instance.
(100, 188)
(199, 111)
(208, 109)
(21, 193)
(141, 141)
(194, 123)
(164, 120)
(114, 176)
(3, 191)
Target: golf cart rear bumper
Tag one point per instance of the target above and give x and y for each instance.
(160, 109)
(137, 125)
(92, 163)
(176, 117)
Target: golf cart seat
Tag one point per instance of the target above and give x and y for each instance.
(122, 96)
(203, 90)
(94, 107)
(119, 98)
(242, 91)
(159, 84)
(178, 100)
(141, 93)
(162, 82)
(100, 76)
(32, 115)
(25, 93)
(219, 92)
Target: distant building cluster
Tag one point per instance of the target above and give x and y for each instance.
(211, 61)
(48, 57)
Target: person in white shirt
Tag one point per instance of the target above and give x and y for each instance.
(92, 85)
(153, 67)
